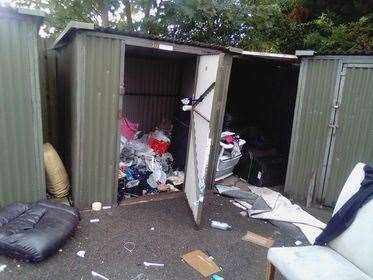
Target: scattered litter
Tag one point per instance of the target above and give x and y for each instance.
(201, 262)
(298, 242)
(106, 207)
(152, 228)
(258, 239)
(147, 264)
(60, 250)
(236, 192)
(96, 206)
(244, 204)
(129, 246)
(243, 213)
(2, 267)
(220, 225)
(216, 277)
(95, 274)
(271, 205)
(18, 265)
(140, 276)
(146, 166)
(81, 254)
(94, 220)
(238, 205)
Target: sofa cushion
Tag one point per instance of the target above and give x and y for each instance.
(356, 242)
(33, 232)
(313, 263)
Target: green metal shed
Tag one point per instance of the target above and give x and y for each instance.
(333, 124)
(21, 139)
(102, 72)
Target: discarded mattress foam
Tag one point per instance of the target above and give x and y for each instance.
(279, 208)
(33, 232)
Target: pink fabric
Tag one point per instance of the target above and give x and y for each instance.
(128, 128)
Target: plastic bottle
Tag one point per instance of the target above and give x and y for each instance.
(220, 225)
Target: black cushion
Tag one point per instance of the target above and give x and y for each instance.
(32, 232)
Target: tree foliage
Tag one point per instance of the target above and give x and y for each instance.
(263, 25)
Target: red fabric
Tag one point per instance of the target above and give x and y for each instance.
(158, 146)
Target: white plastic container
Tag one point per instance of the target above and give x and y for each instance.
(220, 225)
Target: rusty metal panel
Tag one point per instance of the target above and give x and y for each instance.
(152, 86)
(354, 133)
(316, 87)
(21, 139)
(96, 120)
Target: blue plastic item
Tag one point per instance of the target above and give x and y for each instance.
(216, 277)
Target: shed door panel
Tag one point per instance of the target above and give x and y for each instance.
(353, 136)
(310, 126)
(98, 123)
(199, 137)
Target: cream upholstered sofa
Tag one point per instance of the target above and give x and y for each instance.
(349, 256)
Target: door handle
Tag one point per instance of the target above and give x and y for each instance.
(333, 126)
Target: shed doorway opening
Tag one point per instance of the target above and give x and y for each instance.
(258, 116)
(153, 128)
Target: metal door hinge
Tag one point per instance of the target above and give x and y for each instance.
(121, 89)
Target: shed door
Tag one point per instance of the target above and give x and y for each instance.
(352, 137)
(200, 141)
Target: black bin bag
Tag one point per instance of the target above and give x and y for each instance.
(33, 232)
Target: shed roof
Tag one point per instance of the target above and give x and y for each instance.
(22, 12)
(305, 53)
(74, 26)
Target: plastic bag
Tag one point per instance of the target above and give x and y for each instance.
(128, 128)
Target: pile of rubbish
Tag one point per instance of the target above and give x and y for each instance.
(145, 165)
(266, 204)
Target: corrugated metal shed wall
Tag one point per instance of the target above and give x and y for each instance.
(310, 127)
(21, 157)
(354, 136)
(152, 86)
(66, 98)
(97, 117)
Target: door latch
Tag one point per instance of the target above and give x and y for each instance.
(333, 125)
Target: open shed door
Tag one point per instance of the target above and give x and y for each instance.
(201, 135)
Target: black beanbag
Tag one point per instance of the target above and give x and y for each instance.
(32, 232)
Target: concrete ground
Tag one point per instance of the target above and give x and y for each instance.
(173, 235)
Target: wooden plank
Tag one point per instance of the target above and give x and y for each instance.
(270, 271)
(258, 239)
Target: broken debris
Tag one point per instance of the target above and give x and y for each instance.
(98, 275)
(220, 225)
(147, 264)
(81, 254)
(201, 262)
(2, 267)
(94, 220)
(258, 239)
